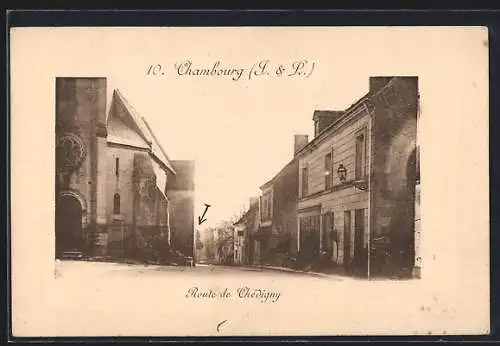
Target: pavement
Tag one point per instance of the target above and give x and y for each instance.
(113, 299)
(290, 270)
(96, 269)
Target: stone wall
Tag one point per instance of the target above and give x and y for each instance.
(182, 220)
(393, 176)
(81, 112)
(180, 194)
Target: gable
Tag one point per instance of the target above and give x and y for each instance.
(120, 133)
(126, 126)
(121, 110)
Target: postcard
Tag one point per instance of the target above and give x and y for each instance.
(249, 181)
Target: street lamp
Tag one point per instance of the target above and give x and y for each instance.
(342, 173)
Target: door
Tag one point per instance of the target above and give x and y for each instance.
(68, 225)
(360, 252)
(256, 257)
(326, 239)
(347, 238)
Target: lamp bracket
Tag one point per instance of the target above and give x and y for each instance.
(361, 185)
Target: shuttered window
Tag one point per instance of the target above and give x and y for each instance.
(305, 179)
(328, 171)
(360, 168)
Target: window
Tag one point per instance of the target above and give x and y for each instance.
(360, 168)
(266, 206)
(117, 167)
(328, 171)
(269, 206)
(304, 182)
(116, 204)
(316, 128)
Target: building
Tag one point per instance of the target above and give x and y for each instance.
(357, 182)
(240, 244)
(418, 259)
(245, 229)
(180, 192)
(111, 176)
(277, 236)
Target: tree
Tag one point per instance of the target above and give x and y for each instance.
(225, 241)
(209, 244)
(199, 243)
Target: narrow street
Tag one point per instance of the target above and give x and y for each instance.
(68, 270)
(88, 295)
(111, 299)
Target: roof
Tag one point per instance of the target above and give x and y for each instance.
(253, 207)
(347, 112)
(333, 114)
(270, 181)
(140, 125)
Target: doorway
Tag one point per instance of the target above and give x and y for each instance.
(347, 238)
(360, 252)
(68, 224)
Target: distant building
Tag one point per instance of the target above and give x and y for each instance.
(357, 181)
(111, 176)
(240, 244)
(244, 231)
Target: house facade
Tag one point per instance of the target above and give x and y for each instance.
(245, 229)
(277, 236)
(111, 176)
(240, 244)
(357, 182)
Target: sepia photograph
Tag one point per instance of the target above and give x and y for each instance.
(118, 194)
(249, 181)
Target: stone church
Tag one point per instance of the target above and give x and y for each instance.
(118, 194)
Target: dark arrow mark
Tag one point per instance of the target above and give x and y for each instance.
(201, 218)
(220, 324)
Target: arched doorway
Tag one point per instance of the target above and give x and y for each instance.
(68, 225)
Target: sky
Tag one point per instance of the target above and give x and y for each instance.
(239, 136)
(240, 133)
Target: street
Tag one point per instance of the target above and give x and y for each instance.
(91, 295)
(111, 299)
(75, 269)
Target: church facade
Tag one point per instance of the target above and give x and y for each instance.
(111, 177)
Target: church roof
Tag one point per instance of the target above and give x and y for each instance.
(133, 120)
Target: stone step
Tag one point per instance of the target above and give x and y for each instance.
(72, 254)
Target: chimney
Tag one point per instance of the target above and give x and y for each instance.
(378, 82)
(253, 201)
(299, 142)
(323, 119)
